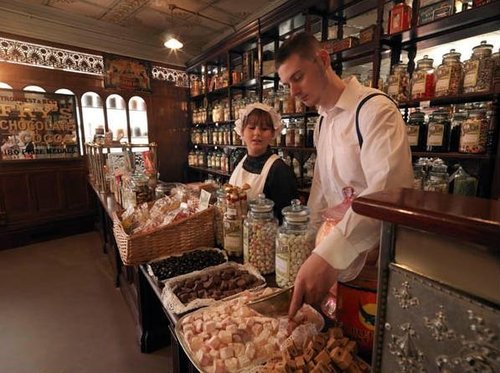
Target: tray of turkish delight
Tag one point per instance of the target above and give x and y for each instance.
(187, 262)
(230, 337)
(206, 287)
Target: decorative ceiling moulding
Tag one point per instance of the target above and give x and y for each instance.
(178, 77)
(25, 53)
(123, 10)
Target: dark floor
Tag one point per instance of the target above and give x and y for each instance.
(60, 313)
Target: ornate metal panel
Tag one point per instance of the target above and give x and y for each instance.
(43, 56)
(431, 328)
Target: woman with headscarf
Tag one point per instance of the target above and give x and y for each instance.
(263, 170)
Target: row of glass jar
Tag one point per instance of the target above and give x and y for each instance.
(432, 175)
(261, 242)
(216, 160)
(451, 78)
(219, 135)
(283, 102)
(464, 132)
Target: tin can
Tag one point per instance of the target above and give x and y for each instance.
(356, 308)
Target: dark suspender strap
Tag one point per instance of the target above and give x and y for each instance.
(362, 102)
(320, 123)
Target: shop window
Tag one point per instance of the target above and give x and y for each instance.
(5, 85)
(138, 120)
(34, 88)
(92, 115)
(65, 91)
(117, 117)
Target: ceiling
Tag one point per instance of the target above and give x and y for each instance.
(135, 28)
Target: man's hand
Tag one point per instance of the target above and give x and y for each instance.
(312, 283)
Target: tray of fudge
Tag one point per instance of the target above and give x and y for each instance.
(176, 265)
(230, 337)
(205, 287)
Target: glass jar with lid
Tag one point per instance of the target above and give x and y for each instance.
(422, 86)
(449, 75)
(418, 176)
(294, 243)
(220, 207)
(310, 124)
(259, 235)
(478, 70)
(233, 230)
(299, 132)
(438, 177)
(288, 102)
(415, 129)
(456, 126)
(438, 131)
(290, 133)
(474, 133)
(398, 83)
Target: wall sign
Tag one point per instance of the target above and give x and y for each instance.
(126, 73)
(36, 125)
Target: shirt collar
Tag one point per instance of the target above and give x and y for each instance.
(347, 99)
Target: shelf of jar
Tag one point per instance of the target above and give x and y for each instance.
(247, 84)
(218, 92)
(356, 52)
(452, 155)
(210, 171)
(299, 115)
(471, 22)
(221, 146)
(449, 100)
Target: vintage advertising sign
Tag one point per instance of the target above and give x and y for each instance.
(126, 73)
(35, 125)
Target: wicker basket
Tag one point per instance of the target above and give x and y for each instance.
(195, 231)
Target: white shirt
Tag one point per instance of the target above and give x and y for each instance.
(383, 162)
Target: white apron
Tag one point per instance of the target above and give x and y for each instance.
(256, 181)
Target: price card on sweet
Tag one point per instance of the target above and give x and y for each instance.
(204, 199)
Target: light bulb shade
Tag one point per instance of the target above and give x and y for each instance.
(173, 43)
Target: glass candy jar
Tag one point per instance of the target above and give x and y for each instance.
(415, 130)
(422, 87)
(478, 70)
(259, 235)
(438, 131)
(220, 207)
(294, 243)
(438, 177)
(449, 75)
(474, 133)
(397, 83)
(233, 227)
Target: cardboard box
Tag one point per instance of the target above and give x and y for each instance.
(439, 10)
(367, 34)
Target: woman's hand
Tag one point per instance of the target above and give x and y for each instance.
(314, 280)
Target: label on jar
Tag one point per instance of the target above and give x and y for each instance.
(471, 73)
(470, 137)
(232, 243)
(418, 87)
(393, 88)
(435, 134)
(412, 132)
(282, 267)
(245, 244)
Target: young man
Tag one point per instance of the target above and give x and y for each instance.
(375, 159)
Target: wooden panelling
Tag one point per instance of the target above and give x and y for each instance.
(75, 188)
(16, 196)
(47, 192)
